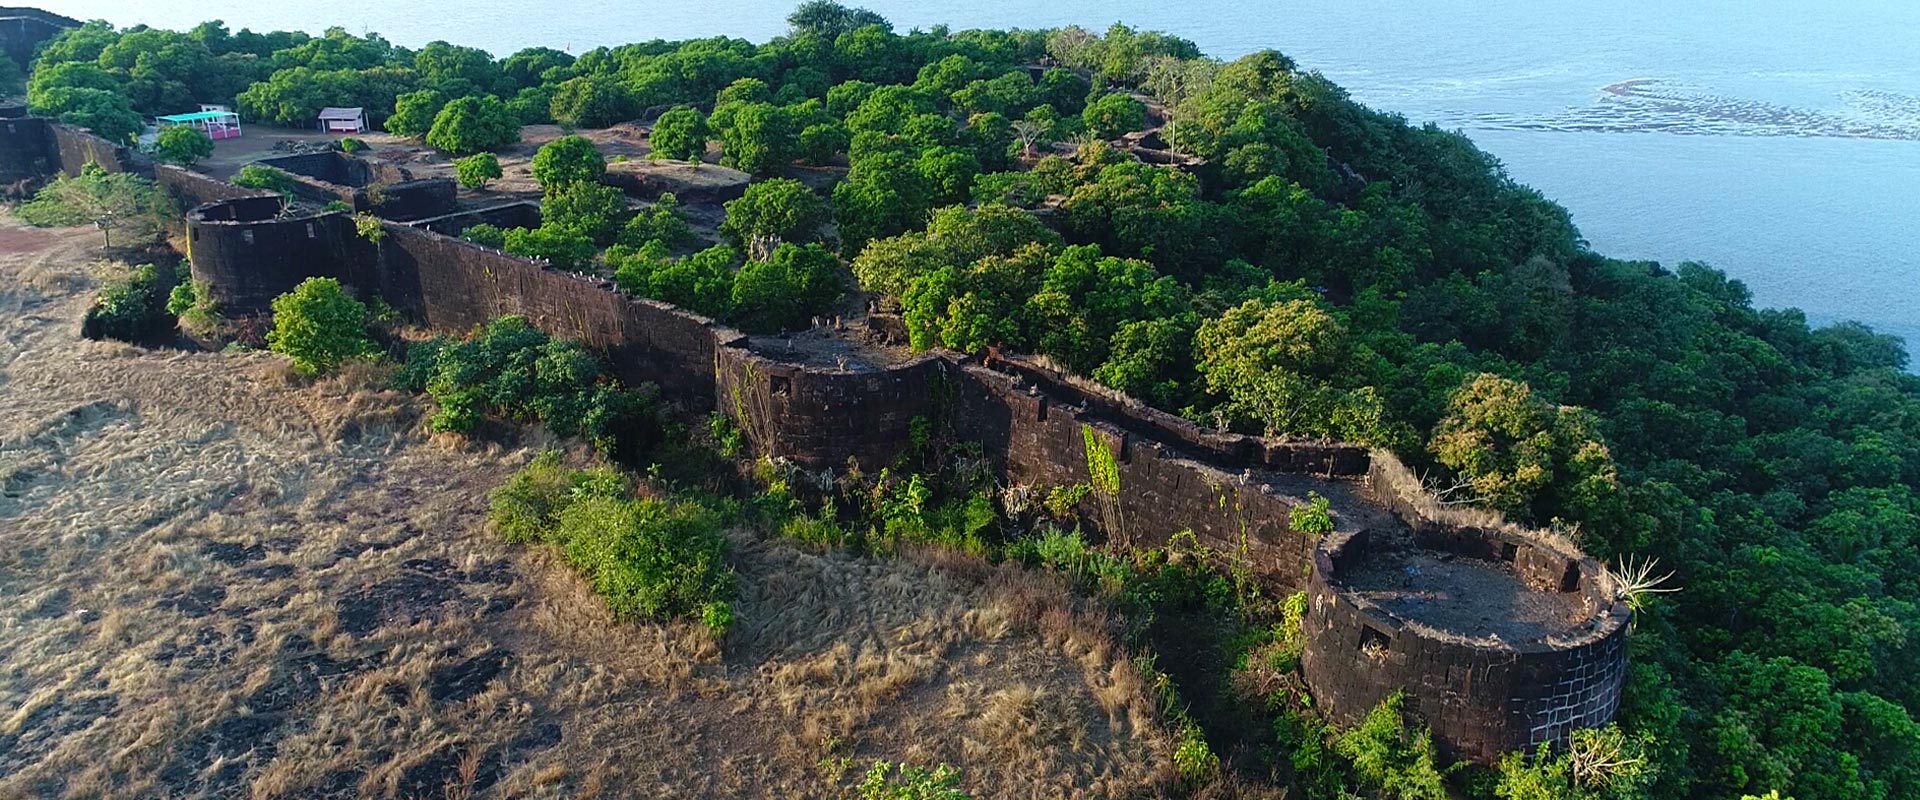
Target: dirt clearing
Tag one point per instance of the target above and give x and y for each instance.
(223, 583)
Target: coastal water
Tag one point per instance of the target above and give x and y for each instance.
(1776, 139)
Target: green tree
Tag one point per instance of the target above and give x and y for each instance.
(183, 145)
(592, 101)
(476, 170)
(702, 282)
(827, 19)
(533, 66)
(661, 222)
(592, 210)
(414, 113)
(783, 292)
(106, 113)
(564, 248)
(680, 134)
(1514, 449)
(473, 125)
(780, 208)
(456, 70)
(319, 326)
(1111, 115)
(568, 160)
(1278, 365)
(820, 143)
(113, 201)
(757, 137)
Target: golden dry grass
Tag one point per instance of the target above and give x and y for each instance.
(223, 582)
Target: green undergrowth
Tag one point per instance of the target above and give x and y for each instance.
(649, 558)
(513, 371)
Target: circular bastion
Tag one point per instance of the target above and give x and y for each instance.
(250, 250)
(1502, 640)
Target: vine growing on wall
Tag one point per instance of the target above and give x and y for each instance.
(1103, 474)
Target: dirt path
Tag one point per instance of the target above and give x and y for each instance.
(220, 583)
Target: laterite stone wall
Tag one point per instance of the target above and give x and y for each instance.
(1039, 429)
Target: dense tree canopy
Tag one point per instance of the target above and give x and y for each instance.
(1328, 270)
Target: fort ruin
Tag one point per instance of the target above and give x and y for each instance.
(1502, 638)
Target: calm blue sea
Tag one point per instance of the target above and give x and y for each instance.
(1776, 139)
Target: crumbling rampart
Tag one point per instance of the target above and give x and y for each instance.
(1152, 474)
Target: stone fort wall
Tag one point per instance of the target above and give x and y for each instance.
(22, 30)
(34, 147)
(1037, 427)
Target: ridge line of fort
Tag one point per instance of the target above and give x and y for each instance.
(1482, 694)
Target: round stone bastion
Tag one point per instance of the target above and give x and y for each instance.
(1501, 640)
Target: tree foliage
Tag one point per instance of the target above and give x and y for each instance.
(781, 209)
(318, 326)
(681, 134)
(476, 170)
(474, 125)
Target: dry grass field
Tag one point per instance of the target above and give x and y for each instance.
(223, 582)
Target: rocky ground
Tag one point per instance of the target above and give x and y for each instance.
(225, 582)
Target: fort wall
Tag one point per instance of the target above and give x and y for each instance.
(23, 29)
(453, 285)
(1482, 697)
(386, 190)
(252, 249)
(1154, 474)
(35, 147)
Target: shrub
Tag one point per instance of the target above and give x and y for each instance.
(681, 134)
(564, 248)
(475, 170)
(661, 222)
(1392, 758)
(1312, 516)
(649, 559)
(319, 326)
(349, 144)
(524, 509)
(473, 125)
(182, 144)
(192, 303)
(515, 371)
(369, 227)
(131, 305)
(886, 781)
(1194, 760)
(486, 236)
(264, 178)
